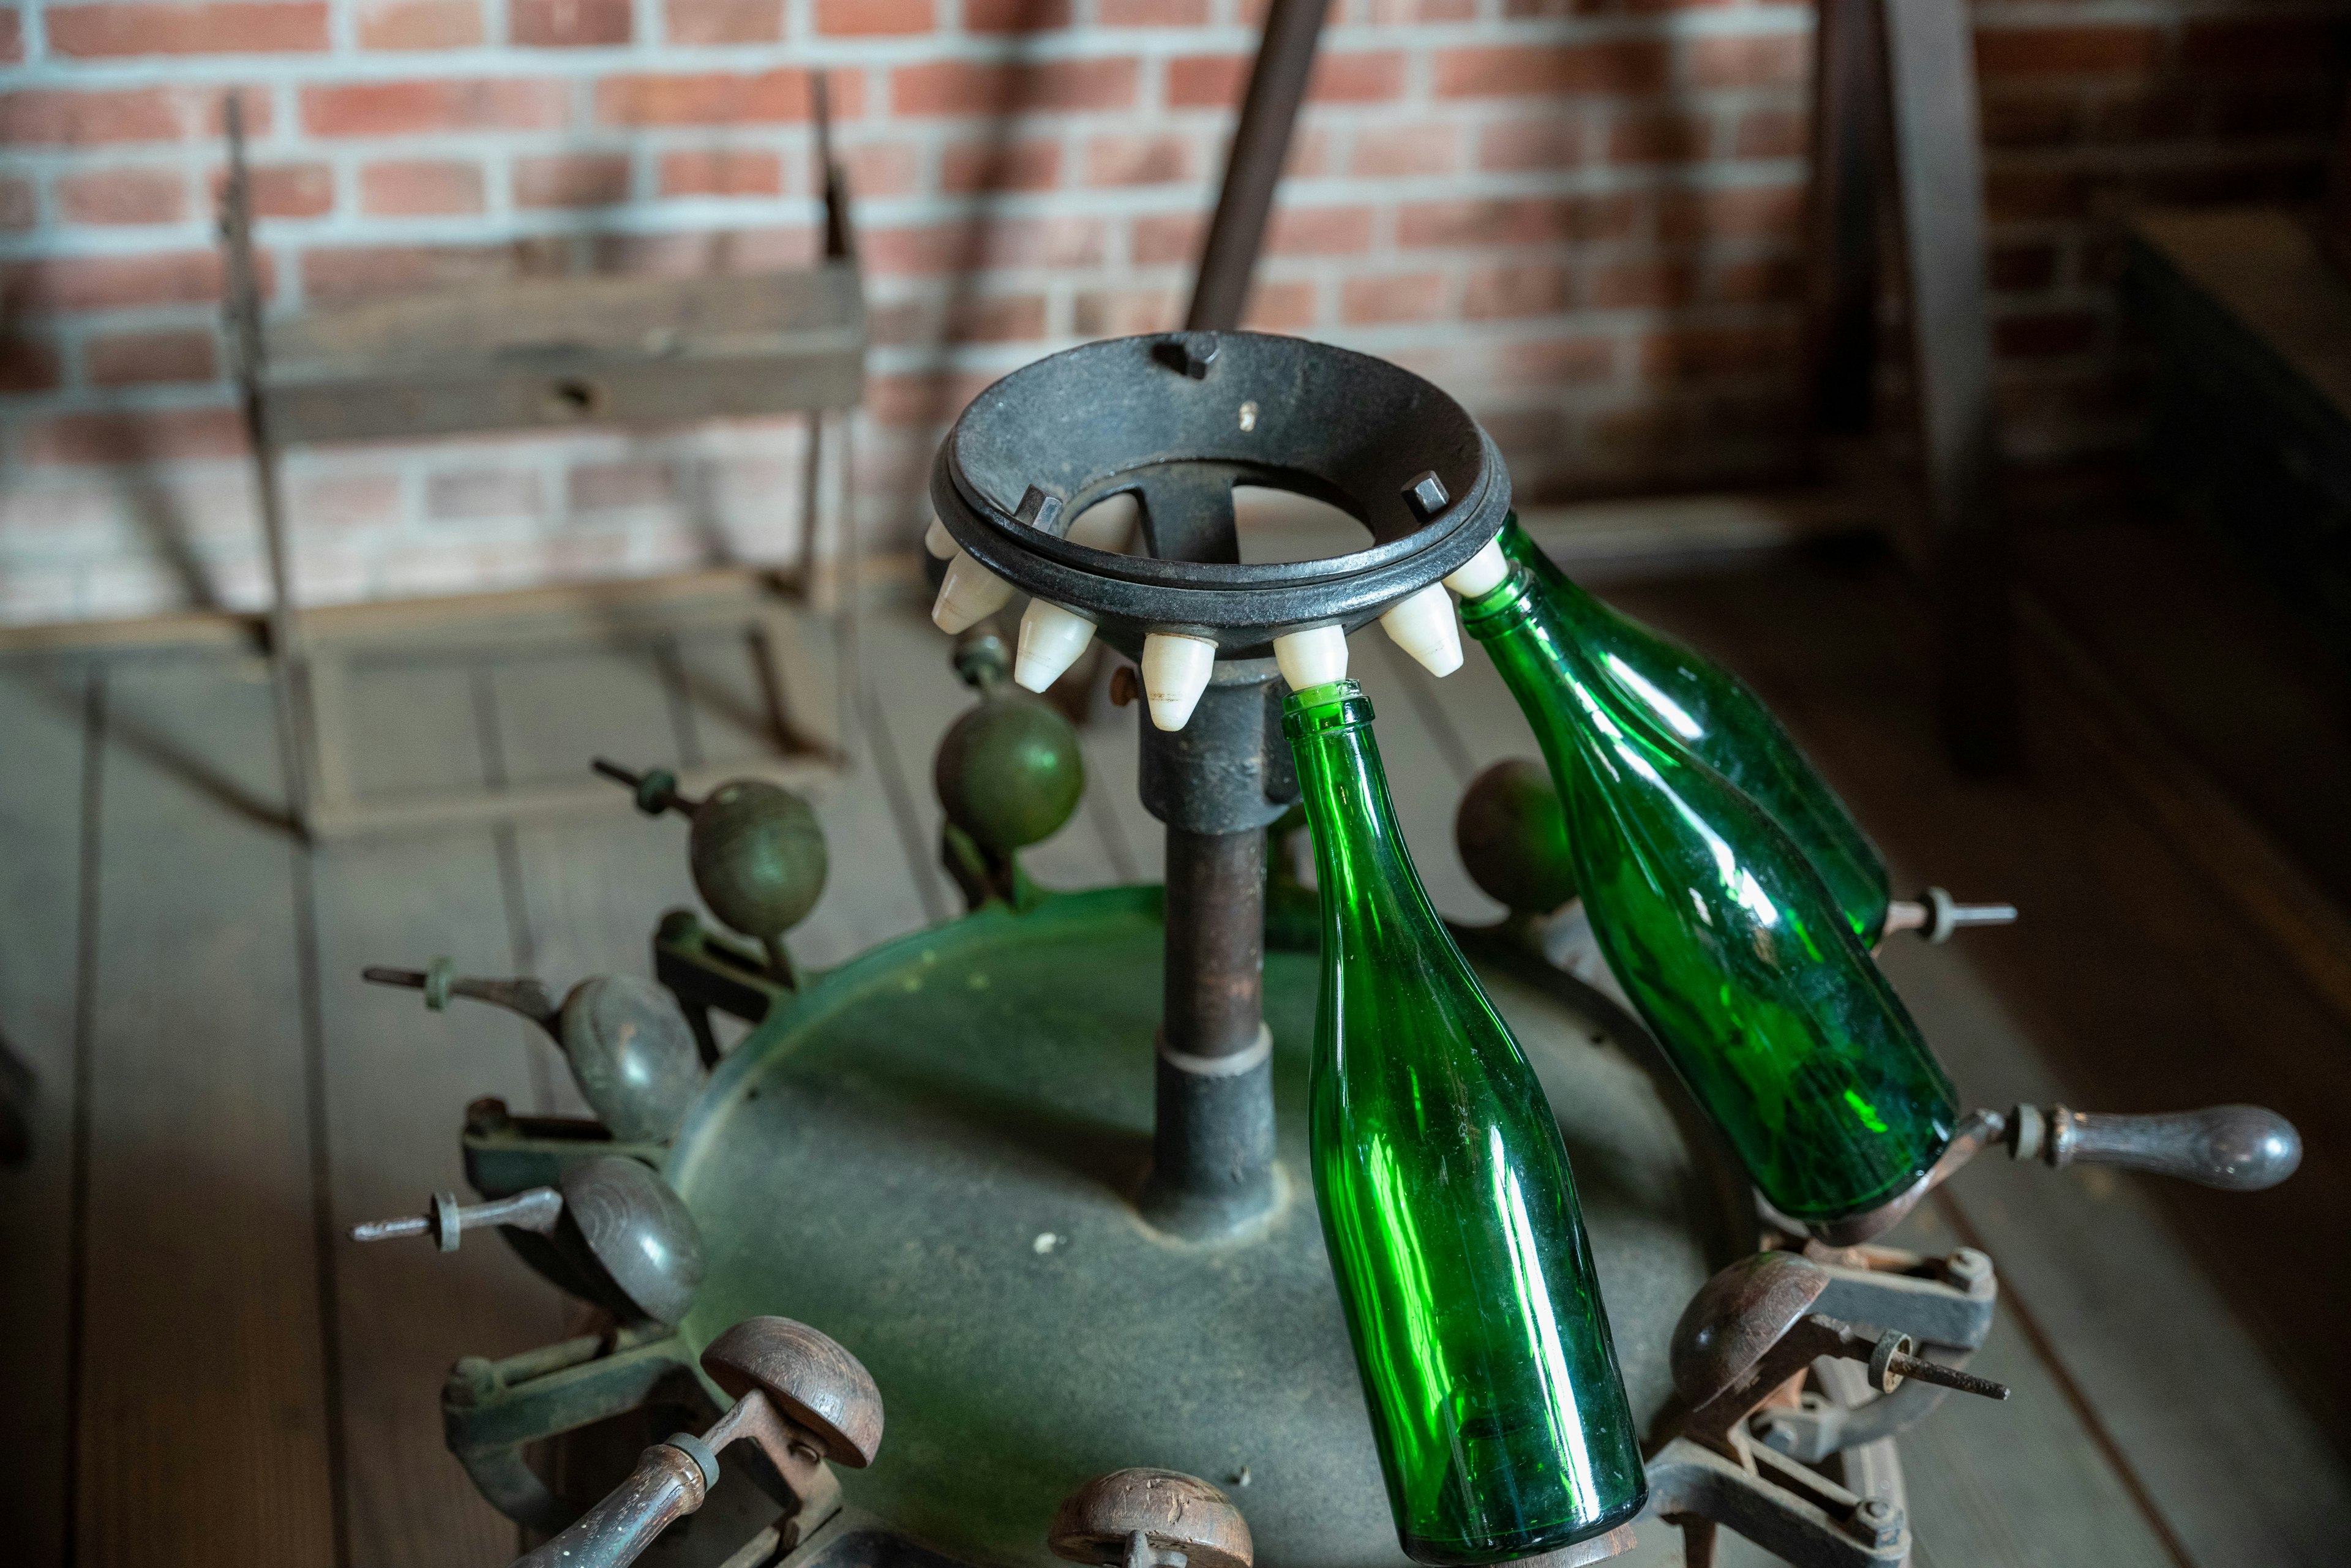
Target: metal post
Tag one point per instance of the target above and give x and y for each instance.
(1218, 784)
(1285, 57)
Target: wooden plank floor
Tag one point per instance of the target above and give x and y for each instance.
(203, 1370)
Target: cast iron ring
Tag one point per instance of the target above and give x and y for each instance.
(1184, 416)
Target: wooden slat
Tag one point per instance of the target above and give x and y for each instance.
(42, 793)
(2266, 268)
(397, 1081)
(204, 1423)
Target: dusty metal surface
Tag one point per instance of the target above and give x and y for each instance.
(930, 1156)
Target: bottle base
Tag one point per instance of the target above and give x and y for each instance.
(1611, 1536)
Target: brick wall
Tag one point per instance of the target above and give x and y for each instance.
(1580, 216)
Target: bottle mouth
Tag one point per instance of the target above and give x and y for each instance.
(1318, 710)
(1500, 607)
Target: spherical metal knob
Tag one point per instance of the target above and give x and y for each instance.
(1512, 835)
(1010, 772)
(815, 1383)
(757, 856)
(1173, 1511)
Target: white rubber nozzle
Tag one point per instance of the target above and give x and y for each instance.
(1051, 638)
(1176, 670)
(970, 594)
(1423, 626)
(1482, 573)
(938, 541)
(1314, 657)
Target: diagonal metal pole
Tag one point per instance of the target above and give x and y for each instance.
(1285, 58)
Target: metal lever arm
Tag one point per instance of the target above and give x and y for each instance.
(441, 981)
(2237, 1148)
(667, 1484)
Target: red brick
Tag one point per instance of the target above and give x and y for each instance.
(111, 282)
(998, 318)
(723, 171)
(571, 179)
(333, 276)
(2014, 193)
(412, 108)
(1205, 81)
(974, 167)
(882, 168)
(1280, 307)
(1771, 133)
(1551, 142)
(420, 188)
(1659, 137)
(569, 24)
(968, 87)
(1015, 15)
(2045, 335)
(1140, 160)
(725, 21)
(1319, 231)
(132, 358)
(1406, 150)
(1618, 66)
(29, 365)
(1634, 284)
(1748, 211)
(2066, 51)
(1695, 353)
(1522, 220)
(56, 118)
(2022, 267)
(1401, 297)
(1539, 288)
(147, 436)
(2265, 45)
(18, 209)
(865, 19)
(287, 189)
(225, 27)
(1158, 240)
(719, 97)
(11, 35)
(1776, 59)
(420, 23)
(1151, 12)
(1554, 360)
(1042, 242)
(123, 196)
(1361, 78)
(1756, 281)
(1126, 312)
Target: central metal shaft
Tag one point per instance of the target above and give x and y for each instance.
(1218, 784)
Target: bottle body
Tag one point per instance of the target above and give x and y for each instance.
(1725, 938)
(1447, 1205)
(1717, 720)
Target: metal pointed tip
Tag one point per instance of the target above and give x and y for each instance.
(1051, 638)
(1176, 671)
(1424, 626)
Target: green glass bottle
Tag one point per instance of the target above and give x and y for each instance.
(1717, 720)
(1447, 1205)
(1724, 935)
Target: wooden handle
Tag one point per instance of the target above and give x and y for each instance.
(667, 1485)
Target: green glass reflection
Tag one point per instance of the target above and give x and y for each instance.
(1447, 1205)
(1725, 936)
(1713, 715)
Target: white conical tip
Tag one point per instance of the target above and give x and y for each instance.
(971, 593)
(938, 541)
(1176, 670)
(1314, 657)
(1051, 638)
(1483, 571)
(1423, 626)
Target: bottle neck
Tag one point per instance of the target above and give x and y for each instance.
(1360, 858)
